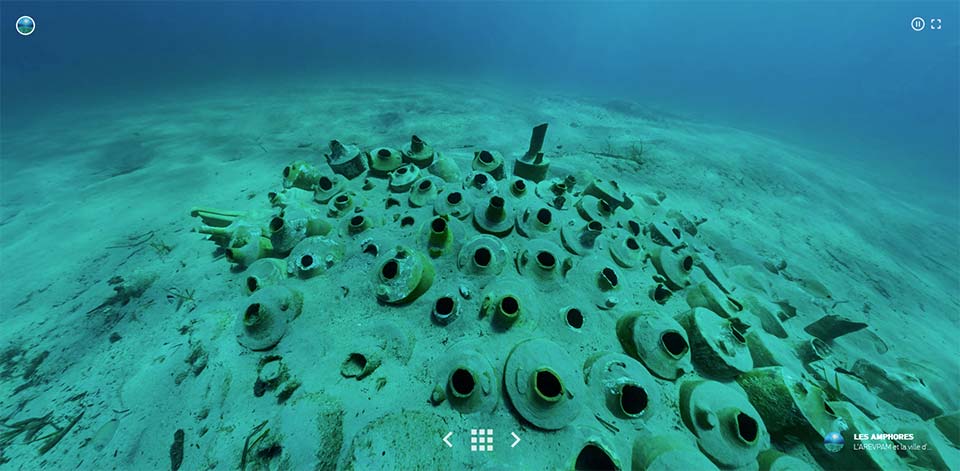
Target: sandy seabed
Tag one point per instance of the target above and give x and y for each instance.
(100, 198)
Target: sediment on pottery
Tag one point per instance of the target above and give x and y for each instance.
(494, 216)
(263, 272)
(625, 389)
(418, 152)
(314, 256)
(708, 295)
(446, 309)
(543, 383)
(357, 224)
(490, 162)
(769, 315)
(728, 428)
(662, 233)
(581, 238)
(402, 179)
(719, 347)
(507, 310)
(606, 190)
(626, 249)
(519, 188)
(440, 236)
(543, 260)
(467, 379)
(668, 450)
(793, 410)
(660, 294)
(290, 226)
(343, 204)
(812, 349)
(592, 208)
(688, 225)
(359, 365)
(446, 169)
(557, 192)
(768, 350)
(483, 255)
(264, 316)
(674, 266)
(327, 187)
(595, 453)
(454, 204)
(532, 165)
(773, 460)
(537, 220)
(218, 218)
(949, 425)
(247, 245)
(347, 160)
(300, 174)
(402, 275)
(659, 342)
(424, 191)
(480, 186)
(384, 160)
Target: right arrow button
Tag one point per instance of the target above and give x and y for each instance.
(516, 438)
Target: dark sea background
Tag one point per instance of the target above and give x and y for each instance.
(850, 79)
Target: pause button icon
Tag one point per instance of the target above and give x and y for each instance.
(917, 24)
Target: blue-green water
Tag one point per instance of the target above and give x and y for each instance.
(847, 77)
(780, 163)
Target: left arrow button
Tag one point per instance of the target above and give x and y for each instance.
(446, 439)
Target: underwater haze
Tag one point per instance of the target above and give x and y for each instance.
(848, 77)
(336, 235)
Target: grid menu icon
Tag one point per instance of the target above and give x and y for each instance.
(481, 439)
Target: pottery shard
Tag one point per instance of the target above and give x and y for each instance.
(832, 326)
(903, 390)
(176, 450)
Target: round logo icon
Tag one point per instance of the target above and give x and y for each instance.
(26, 25)
(833, 442)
